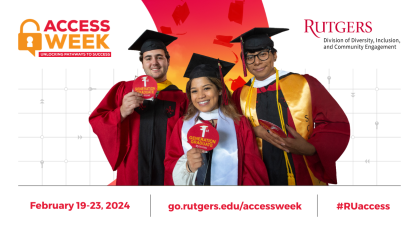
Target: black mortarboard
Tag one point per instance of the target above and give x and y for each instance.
(203, 66)
(256, 38)
(151, 40)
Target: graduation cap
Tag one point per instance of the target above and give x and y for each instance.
(203, 66)
(151, 40)
(256, 38)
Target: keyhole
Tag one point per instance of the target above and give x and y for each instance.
(29, 39)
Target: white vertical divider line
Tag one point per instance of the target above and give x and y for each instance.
(353, 129)
(42, 126)
(90, 150)
(377, 123)
(65, 124)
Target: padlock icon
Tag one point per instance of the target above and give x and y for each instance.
(30, 41)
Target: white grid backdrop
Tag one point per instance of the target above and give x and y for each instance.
(58, 146)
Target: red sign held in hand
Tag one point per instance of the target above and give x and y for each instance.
(145, 85)
(203, 136)
(272, 128)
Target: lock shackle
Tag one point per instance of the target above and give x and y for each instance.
(26, 21)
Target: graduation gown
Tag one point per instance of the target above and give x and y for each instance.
(136, 146)
(330, 135)
(251, 169)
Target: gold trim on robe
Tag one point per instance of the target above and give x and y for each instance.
(296, 91)
(162, 85)
(252, 116)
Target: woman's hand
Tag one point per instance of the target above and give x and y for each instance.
(194, 159)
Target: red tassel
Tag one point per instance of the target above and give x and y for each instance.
(244, 65)
(224, 91)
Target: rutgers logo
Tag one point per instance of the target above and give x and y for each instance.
(142, 107)
(169, 108)
(318, 27)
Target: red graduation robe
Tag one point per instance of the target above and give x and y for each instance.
(136, 146)
(330, 135)
(251, 169)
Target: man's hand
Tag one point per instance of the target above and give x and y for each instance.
(194, 159)
(263, 134)
(297, 145)
(131, 101)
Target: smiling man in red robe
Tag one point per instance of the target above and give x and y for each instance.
(316, 130)
(133, 130)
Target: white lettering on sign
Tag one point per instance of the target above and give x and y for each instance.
(145, 81)
(203, 128)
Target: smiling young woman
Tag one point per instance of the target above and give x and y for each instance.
(236, 159)
(205, 96)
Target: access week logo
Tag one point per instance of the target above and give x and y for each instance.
(89, 36)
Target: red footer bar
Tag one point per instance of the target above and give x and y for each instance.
(74, 54)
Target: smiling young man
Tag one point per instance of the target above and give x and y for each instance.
(316, 128)
(133, 131)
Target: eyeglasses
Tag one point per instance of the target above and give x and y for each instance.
(263, 56)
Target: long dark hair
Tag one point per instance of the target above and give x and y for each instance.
(229, 110)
